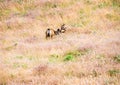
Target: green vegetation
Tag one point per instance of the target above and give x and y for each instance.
(103, 4)
(77, 53)
(20, 65)
(100, 56)
(116, 3)
(117, 58)
(54, 58)
(11, 47)
(113, 72)
(19, 57)
(88, 2)
(69, 58)
(72, 55)
(95, 74)
(113, 17)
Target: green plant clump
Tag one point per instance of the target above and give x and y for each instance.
(117, 58)
(69, 58)
(113, 72)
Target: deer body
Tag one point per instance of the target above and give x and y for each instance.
(57, 32)
(50, 33)
(63, 28)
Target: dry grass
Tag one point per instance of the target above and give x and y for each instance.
(87, 54)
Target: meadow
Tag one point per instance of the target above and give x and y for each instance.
(88, 53)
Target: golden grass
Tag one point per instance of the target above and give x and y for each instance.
(87, 54)
(4, 75)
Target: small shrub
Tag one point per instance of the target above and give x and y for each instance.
(117, 58)
(8, 48)
(25, 66)
(69, 57)
(88, 2)
(100, 56)
(95, 73)
(77, 53)
(113, 72)
(30, 57)
(4, 13)
(74, 54)
(1, 0)
(49, 5)
(20, 65)
(67, 3)
(12, 75)
(19, 57)
(112, 17)
(116, 3)
(16, 65)
(54, 58)
(11, 47)
(102, 5)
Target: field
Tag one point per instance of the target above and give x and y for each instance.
(88, 53)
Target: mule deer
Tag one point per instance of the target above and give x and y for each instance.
(51, 32)
(63, 28)
(57, 32)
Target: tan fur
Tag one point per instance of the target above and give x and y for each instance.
(50, 33)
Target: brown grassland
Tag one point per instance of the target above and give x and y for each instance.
(88, 53)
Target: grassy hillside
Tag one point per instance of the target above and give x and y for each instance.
(87, 54)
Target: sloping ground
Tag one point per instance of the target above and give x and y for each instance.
(87, 54)
(95, 60)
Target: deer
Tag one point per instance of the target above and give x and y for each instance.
(63, 28)
(57, 32)
(51, 32)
